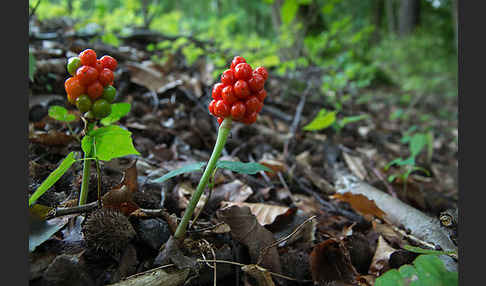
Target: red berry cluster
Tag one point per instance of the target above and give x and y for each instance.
(240, 93)
(91, 81)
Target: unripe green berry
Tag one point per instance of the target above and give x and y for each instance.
(84, 103)
(109, 93)
(73, 64)
(101, 108)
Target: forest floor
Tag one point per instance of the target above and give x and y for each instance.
(332, 230)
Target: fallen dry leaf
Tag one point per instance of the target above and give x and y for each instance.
(51, 138)
(261, 275)
(246, 230)
(307, 204)
(379, 263)
(266, 214)
(355, 164)
(361, 204)
(235, 192)
(120, 199)
(184, 192)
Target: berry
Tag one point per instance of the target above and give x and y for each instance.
(109, 62)
(101, 108)
(86, 75)
(260, 106)
(250, 118)
(221, 109)
(106, 76)
(228, 95)
(109, 93)
(95, 90)
(241, 89)
(99, 66)
(211, 106)
(262, 71)
(228, 77)
(243, 71)
(73, 64)
(83, 103)
(261, 95)
(220, 120)
(256, 82)
(252, 104)
(216, 93)
(73, 88)
(237, 60)
(238, 110)
(88, 57)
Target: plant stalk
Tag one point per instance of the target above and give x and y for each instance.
(223, 133)
(85, 183)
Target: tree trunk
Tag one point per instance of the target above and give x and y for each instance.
(409, 16)
(390, 16)
(378, 11)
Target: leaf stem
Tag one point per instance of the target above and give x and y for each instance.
(223, 133)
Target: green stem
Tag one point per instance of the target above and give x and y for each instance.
(223, 133)
(85, 183)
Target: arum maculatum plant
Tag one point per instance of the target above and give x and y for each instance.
(91, 89)
(237, 98)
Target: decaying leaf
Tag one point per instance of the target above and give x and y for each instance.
(275, 165)
(146, 75)
(184, 192)
(330, 261)
(264, 213)
(51, 138)
(234, 191)
(120, 199)
(307, 204)
(379, 263)
(246, 230)
(355, 164)
(361, 204)
(261, 275)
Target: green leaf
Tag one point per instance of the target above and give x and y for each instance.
(427, 270)
(118, 110)
(427, 251)
(87, 144)
(242, 168)
(110, 142)
(110, 39)
(351, 119)
(41, 230)
(186, 169)
(60, 113)
(323, 120)
(53, 177)
(32, 66)
(417, 143)
(289, 10)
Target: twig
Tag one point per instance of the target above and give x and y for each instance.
(32, 11)
(278, 241)
(295, 122)
(72, 210)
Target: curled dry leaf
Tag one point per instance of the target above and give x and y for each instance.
(261, 275)
(235, 192)
(264, 213)
(275, 165)
(379, 263)
(330, 262)
(246, 230)
(120, 199)
(355, 164)
(361, 204)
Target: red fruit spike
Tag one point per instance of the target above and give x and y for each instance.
(238, 110)
(262, 71)
(216, 92)
(237, 60)
(228, 77)
(86, 75)
(252, 104)
(109, 62)
(221, 109)
(250, 118)
(106, 76)
(241, 89)
(88, 57)
(256, 82)
(95, 90)
(228, 95)
(261, 95)
(220, 120)
(243, 71)
(211, 107)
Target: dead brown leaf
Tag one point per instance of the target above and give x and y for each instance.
(379, 263)
(261, 275)
(246, 230)
(51, 138)
(265, 214)
(361, 204)
(355, 164)
(235, 192)
(120, 199)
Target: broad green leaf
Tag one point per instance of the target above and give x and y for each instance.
(417, 143)
(41, 230)
(32, 66)
(186, 169)
(427, 251)
(110, 142)
(242, 168)
(110, 39)
(289, 10)
(428, 269)
(323, 120)
(118, 110)
(53, 177)
(351, 119)
(60, 113)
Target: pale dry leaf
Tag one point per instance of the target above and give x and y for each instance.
(307, 204)
(265, 213)
(381, 257)
(235, 191)
(184, 192)
(355, 164)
